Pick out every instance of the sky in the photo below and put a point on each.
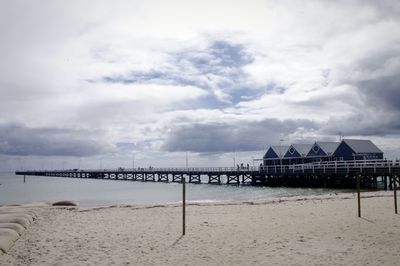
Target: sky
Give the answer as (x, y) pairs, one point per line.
(88, 84)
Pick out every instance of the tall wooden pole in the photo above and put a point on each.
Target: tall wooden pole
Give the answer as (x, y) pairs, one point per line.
(183, 205)
(395, 193)
(358, 195)
(385, 182)
(24, 178)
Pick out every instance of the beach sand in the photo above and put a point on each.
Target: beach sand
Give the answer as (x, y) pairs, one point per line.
(313, 231)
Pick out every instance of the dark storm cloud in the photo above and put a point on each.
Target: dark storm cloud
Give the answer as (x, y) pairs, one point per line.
(379, 114)
(378, 87)
(364, 125)
(226, 137)
(17, 139)
(218, 67)
(382, 93)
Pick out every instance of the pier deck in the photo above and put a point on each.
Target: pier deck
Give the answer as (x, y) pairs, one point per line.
(337, 174)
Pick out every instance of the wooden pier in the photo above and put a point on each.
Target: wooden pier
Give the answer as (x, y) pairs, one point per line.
(338, 174)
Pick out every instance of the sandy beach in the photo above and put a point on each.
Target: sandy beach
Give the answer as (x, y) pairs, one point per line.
(314, 231)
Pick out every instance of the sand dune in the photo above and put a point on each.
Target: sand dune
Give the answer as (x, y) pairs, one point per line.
(315, 231)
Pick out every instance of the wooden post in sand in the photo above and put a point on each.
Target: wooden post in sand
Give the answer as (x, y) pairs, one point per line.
(385, 182)
(24, 178)
(183, 205)
(395, 193)
(358, 195)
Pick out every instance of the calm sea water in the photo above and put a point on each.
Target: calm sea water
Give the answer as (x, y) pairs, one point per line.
(105, 192)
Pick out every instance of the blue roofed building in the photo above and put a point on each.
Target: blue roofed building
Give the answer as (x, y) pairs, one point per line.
(357, 149)
(322, 151)
(297, 153)
(274, 155)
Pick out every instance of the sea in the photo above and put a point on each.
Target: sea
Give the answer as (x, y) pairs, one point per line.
(98, 192)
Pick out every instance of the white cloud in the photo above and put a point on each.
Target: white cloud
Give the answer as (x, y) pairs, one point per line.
(314, 60)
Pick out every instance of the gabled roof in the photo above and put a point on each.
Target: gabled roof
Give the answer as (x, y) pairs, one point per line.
(316, 151)
(302, 149)
(362, 146)
(270, 154)
(328, 147)
(280, 150)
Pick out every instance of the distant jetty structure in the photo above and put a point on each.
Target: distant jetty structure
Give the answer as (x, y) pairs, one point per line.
(322, 164)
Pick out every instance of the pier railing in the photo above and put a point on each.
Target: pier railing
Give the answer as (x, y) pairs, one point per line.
(160, 169)
(358, 165)
(335, 166)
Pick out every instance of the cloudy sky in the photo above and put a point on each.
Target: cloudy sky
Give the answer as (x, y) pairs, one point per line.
(106, 83)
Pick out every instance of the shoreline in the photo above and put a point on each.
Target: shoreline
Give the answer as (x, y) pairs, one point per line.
(272, 200)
